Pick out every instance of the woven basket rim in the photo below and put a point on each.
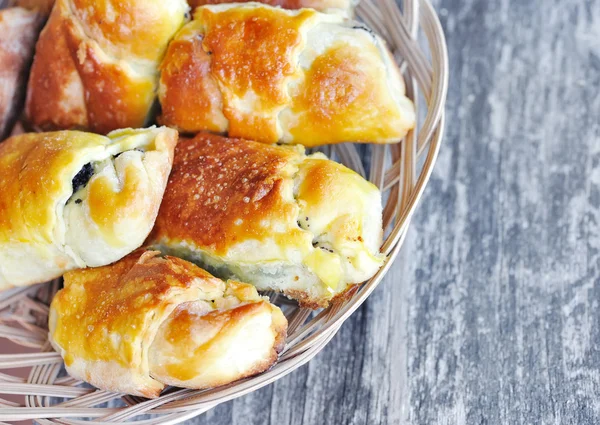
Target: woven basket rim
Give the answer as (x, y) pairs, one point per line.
(401, 171)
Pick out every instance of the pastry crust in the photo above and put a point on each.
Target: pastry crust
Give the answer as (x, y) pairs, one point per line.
(271, 216)
(275, 75)
(19, 28)
(73, 199)
(147, 321)
(96, 63)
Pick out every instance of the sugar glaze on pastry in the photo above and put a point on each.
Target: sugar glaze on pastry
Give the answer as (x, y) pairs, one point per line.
(271, 216)
(72, 199)
(147, 321)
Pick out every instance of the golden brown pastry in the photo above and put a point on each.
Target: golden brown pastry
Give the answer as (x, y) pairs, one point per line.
(146, 322)
(96, 63)
(342, 7)
(270, 216)
(275, 75)
(72, 199)
(19, 28)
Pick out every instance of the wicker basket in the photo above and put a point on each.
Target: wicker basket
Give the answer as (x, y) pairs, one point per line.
(400, 170)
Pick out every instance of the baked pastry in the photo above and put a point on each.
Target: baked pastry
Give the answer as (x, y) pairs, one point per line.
(72, 199)
(146, 322)
(274, 75)
(19, 28)
(96, 63)
(270, 216)
(342, 7)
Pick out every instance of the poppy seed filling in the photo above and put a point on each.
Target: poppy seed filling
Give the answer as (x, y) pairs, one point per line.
(82, 178)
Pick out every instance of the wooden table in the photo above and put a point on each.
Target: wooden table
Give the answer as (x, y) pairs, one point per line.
(491, 314)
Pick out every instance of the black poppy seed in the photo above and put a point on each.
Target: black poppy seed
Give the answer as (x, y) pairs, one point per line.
(82, 178)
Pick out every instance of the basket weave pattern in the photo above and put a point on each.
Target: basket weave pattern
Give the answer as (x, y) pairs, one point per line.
(400, 170)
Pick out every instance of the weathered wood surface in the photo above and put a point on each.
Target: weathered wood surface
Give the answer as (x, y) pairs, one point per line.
(491, 314)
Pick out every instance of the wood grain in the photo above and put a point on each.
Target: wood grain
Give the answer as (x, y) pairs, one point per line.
(491, 313)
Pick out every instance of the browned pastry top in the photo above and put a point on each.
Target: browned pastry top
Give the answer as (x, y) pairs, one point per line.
(137, 28)
(193, 100)
(238, 186)
(118, 298)
(254, 55)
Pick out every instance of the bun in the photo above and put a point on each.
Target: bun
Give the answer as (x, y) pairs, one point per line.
(146, 322)
(73, 199)
(96, 63)
(273, 75)
(271, 216)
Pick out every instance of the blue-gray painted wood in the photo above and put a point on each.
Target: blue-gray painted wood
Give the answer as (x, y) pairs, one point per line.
(491, 313)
